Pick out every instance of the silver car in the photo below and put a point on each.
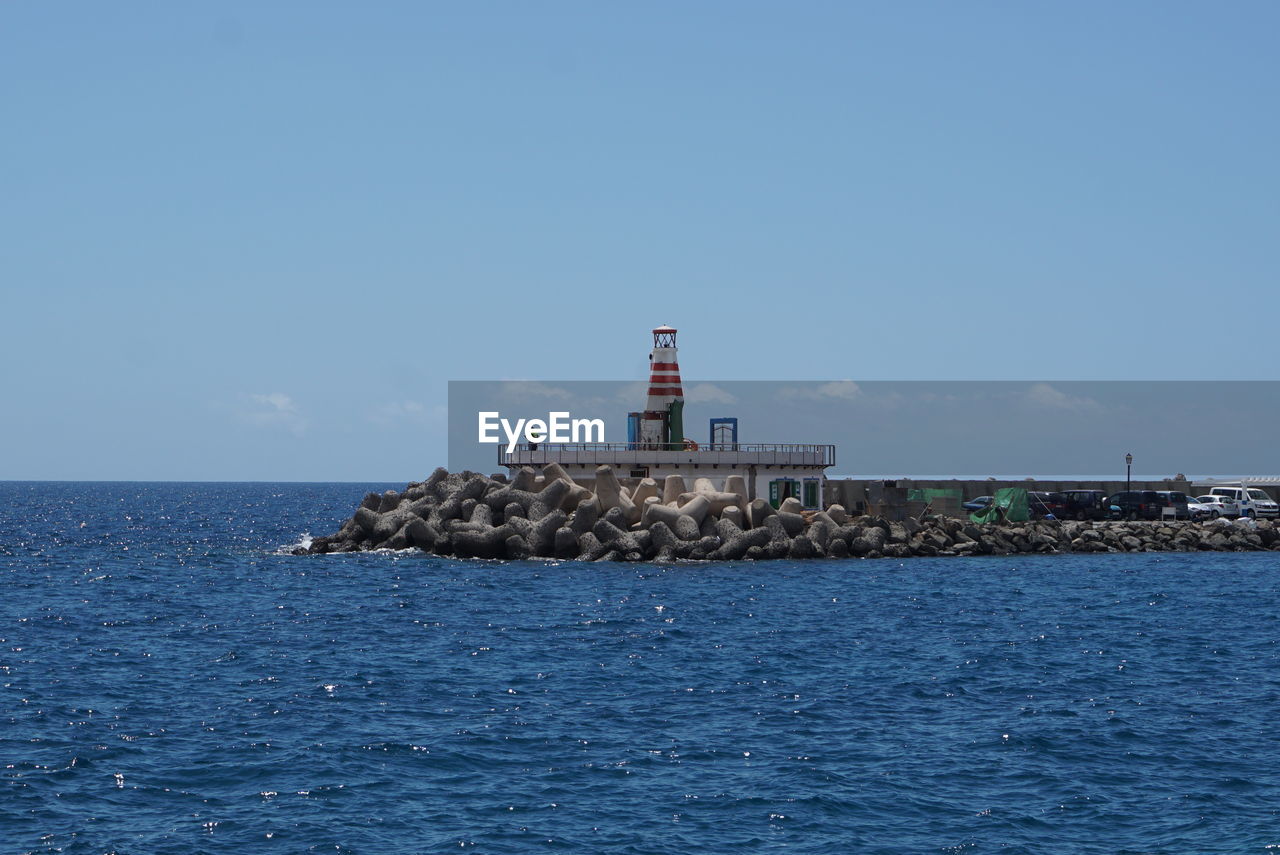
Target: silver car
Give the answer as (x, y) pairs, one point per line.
(1200, 511)
(1218, 506)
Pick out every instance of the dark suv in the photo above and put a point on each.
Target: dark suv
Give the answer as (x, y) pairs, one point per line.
(1177, 501)
(1084, 504)
(1135, 505)
(1040, 504)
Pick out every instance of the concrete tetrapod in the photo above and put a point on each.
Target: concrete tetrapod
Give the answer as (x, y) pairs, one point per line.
(577, 493)
(611, 494)
(672, 487)
(758, 511)
(738, 484)
(585, 516)
(646, 489)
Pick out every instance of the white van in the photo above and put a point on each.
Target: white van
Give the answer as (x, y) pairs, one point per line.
(1251, 501)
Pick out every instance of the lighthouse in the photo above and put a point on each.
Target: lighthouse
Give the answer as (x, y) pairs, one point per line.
(661, 425)
(658, 448)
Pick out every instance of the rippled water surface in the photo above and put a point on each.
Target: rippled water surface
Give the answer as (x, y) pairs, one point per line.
(170, 683)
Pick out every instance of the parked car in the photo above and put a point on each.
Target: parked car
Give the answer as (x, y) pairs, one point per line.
(1219, 506)
(981, 503)
(1135, 505)
(1200, 511)
(1084, 504)
(1252, 502)
(1041, 504)
(1177, 501)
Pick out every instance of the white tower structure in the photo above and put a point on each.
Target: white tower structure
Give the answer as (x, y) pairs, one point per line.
(661, 424)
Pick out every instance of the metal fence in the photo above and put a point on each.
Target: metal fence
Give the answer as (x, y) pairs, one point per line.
(595, 452)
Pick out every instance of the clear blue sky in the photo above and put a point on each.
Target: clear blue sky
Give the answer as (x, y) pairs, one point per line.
(255, 240)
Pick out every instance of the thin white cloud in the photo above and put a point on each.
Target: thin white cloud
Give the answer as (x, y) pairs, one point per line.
(407, 412)
(527, 390)
(274, 410)
(1047, 397)
(708, 393)
(633, 394)
(835, 390)
(636, 394)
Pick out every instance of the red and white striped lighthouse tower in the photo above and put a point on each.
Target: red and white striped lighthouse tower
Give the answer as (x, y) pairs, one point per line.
(666, 396)
(664, 371)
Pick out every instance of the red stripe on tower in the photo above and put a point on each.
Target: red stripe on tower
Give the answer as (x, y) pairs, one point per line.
(664, 370)
(665, 383)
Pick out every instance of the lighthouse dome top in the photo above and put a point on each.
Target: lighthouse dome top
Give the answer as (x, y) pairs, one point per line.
(663, 329)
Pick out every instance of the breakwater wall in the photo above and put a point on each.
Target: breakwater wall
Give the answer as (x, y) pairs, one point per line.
(548, 515)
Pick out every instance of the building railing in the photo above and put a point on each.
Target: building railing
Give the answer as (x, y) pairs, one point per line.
(586, 452)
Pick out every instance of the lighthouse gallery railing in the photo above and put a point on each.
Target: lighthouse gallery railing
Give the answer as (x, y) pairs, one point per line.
(807, 454)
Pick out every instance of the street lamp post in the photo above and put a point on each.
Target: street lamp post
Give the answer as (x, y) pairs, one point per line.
(1128, 472)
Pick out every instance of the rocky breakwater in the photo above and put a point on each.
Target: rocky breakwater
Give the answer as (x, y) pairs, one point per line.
(548, 515)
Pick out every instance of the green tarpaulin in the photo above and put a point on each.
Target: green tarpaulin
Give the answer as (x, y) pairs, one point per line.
(1010, 505)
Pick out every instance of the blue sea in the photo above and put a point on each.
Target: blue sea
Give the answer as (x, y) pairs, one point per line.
(172, 681)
